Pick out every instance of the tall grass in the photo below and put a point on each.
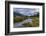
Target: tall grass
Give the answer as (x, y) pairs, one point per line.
(34, 23)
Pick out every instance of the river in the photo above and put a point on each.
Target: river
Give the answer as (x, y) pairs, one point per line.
(20, 24)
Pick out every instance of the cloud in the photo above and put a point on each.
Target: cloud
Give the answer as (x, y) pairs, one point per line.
(26, 11)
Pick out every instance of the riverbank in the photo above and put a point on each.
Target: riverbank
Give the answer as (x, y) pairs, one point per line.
(34, 22)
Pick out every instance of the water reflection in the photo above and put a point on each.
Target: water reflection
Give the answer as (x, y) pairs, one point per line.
(20, 24)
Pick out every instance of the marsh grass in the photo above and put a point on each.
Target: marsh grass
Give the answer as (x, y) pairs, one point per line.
(34, 23)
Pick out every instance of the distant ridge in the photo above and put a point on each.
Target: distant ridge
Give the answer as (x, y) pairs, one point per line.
(17, 14)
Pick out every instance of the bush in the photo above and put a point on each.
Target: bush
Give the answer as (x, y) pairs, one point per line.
(17, 19)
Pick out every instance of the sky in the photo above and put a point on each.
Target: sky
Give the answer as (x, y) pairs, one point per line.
(26, 11)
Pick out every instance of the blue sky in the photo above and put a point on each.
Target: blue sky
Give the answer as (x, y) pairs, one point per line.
(26, 11)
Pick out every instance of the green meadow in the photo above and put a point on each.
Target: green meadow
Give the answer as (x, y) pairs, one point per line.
(34, 23)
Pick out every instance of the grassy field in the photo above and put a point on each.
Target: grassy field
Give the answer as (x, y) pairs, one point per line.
(34, 23)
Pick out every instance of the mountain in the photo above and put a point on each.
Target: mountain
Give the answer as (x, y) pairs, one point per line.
(17, 14)
(30, 14)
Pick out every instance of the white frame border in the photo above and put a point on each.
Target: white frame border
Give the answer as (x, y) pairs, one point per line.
(25, 28)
